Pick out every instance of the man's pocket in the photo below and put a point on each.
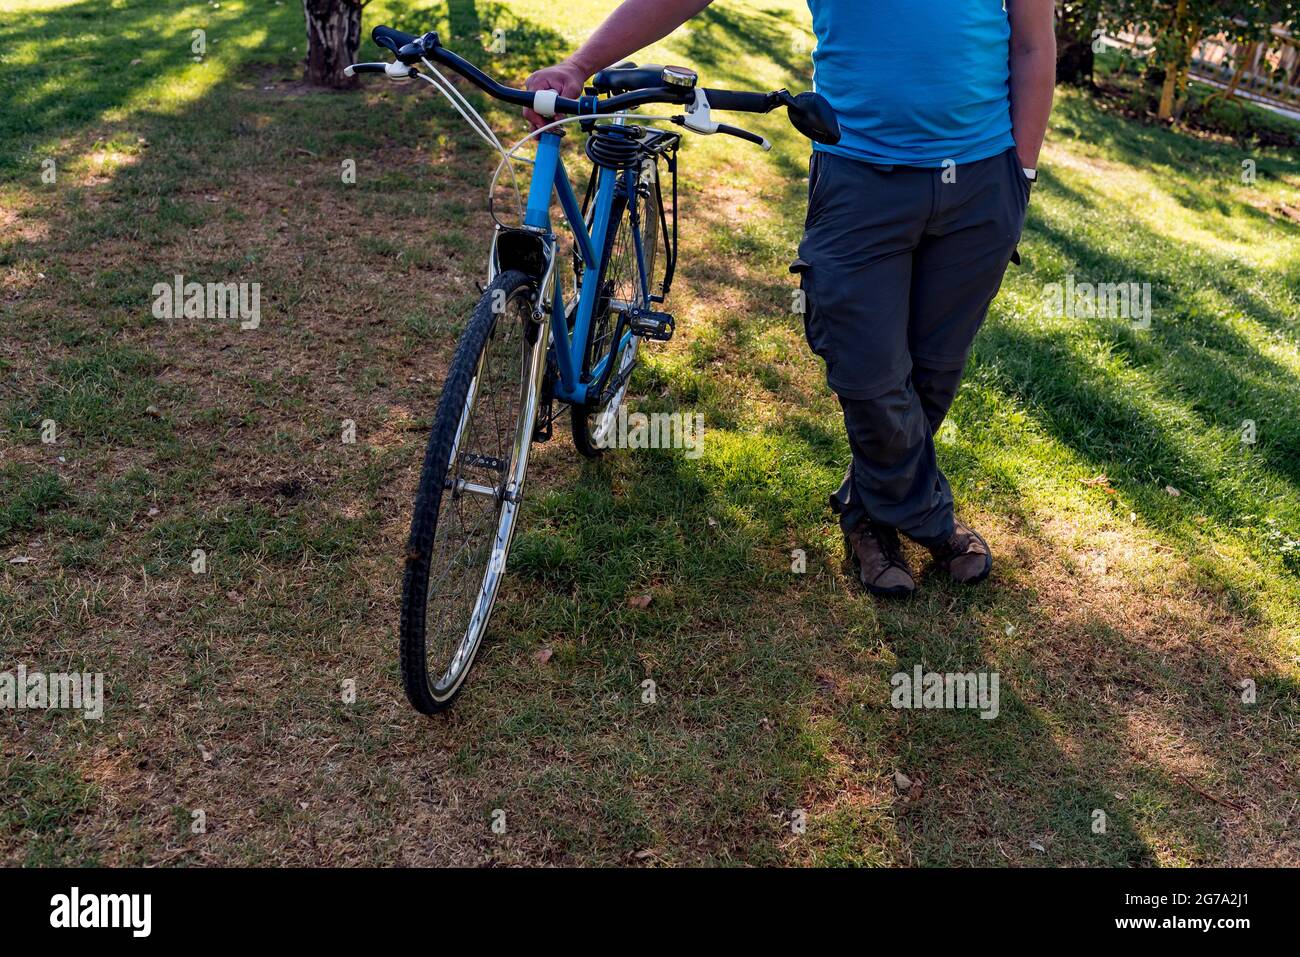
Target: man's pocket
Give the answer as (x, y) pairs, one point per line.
(808, 305)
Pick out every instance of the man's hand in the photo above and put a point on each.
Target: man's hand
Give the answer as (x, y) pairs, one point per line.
(564, 78)
(634, 25)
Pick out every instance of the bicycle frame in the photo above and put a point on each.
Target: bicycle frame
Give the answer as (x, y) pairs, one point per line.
(550, 177)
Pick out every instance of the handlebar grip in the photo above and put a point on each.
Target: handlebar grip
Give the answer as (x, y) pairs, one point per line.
(365, 68)
(740, 101)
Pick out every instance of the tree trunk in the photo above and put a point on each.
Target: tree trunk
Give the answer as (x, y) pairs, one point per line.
(1175, 60)
(333, 38)
(1166, 110)
(1246, 61)
(1260, 51)
(1075, 23)
(1192, 42)
(1242, 59)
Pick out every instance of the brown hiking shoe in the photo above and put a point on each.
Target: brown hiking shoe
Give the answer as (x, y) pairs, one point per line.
(965, 555)
(878, 559)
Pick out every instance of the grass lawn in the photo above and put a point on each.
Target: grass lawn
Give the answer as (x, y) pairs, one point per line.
(1122, 618)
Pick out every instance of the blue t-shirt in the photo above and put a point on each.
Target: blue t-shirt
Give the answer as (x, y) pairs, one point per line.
(915, 82)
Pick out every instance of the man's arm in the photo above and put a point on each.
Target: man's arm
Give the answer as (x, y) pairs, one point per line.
(1033, 74)
(635, 24)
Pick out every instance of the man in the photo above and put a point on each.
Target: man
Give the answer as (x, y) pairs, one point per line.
(912, 220)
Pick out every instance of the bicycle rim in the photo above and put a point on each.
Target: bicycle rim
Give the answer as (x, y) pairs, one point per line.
(479, 493)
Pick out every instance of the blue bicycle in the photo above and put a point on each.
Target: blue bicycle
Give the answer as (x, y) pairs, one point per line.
(551, 329)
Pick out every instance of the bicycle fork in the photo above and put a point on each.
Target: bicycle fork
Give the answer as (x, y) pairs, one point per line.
(510, 491)
(532, 400)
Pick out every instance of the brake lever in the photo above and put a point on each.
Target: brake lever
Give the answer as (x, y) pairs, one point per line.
(699, 118)
(745, 135)
(711, 128)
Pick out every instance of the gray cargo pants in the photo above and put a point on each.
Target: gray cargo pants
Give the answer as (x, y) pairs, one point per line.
(898, 266)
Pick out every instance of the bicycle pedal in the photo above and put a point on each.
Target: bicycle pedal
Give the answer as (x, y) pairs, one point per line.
(542, 431)
(651, 325)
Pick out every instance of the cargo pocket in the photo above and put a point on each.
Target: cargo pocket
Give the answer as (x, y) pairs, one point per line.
(806, 302)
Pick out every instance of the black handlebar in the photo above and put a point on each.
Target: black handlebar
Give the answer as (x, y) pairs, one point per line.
(809, 113)
(410, 49)
(740, 102)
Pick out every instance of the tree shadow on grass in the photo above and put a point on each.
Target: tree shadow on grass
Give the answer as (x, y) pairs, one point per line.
(1180, 394)
(776, 696)
(86, 61)
(720, 39)
(1086, 693)
(497, 39)
(233, 178)
(1150, 145)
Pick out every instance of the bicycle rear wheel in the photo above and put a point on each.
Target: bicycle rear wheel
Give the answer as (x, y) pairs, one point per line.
(470, 489)
(619, 282)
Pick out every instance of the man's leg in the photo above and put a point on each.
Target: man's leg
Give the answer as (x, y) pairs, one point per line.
(957, 270)
(936, 389)
(864, 224)
(893, 477)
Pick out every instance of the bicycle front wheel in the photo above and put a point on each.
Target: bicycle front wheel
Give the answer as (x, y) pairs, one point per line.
(471, 486)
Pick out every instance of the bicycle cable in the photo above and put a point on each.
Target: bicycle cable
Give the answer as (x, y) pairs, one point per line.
(477, 124)
(480, 126)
